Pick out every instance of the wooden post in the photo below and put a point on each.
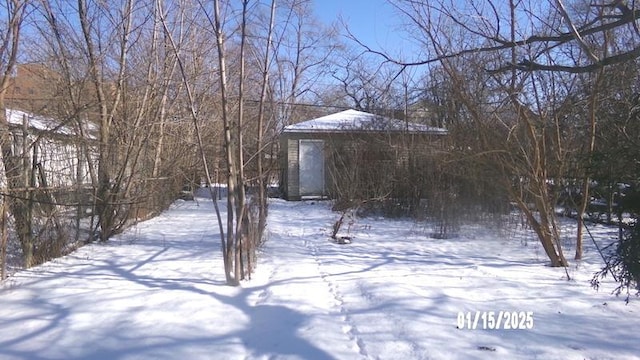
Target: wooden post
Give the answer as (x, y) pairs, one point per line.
(3, 239)
(79, 191)
(28, 246)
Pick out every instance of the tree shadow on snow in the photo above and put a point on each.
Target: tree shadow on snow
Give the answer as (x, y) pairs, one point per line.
(273, 331)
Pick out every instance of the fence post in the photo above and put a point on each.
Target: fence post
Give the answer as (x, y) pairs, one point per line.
(3, 239)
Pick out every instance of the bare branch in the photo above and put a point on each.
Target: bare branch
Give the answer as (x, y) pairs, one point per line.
(527, 65)
(605, 23)
(575, 32)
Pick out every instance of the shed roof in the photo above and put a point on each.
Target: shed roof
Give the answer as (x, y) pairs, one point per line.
(42, 123)
(358, 121)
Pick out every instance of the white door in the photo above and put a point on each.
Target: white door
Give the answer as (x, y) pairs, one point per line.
(311, 162)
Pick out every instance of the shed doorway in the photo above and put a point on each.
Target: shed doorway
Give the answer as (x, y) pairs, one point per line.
(311, 157)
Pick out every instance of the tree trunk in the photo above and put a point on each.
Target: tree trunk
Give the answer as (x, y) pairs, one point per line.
(225, 244)
(241, 201)
(593, 101)
(10, 170)
(580, 216)
(4, 235)
(232, 172)
(544, 235)
(104, 174)
(262, 181)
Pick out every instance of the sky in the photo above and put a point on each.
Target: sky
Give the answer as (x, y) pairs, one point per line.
(374, 22)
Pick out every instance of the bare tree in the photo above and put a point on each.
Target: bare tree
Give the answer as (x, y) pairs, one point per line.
(263, 179)
(559, 44)
(599, 17)
(230, 152)
(302, 49)
(365, 84)
(10, 171)
(134, 80)
(179, 49)
(127, 100)
(107, 107)
(515, 111)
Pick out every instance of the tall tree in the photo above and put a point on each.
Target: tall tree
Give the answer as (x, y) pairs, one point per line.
(115, 76)
(14, 11)
(514, 62)
(260, 143)
(302, 50)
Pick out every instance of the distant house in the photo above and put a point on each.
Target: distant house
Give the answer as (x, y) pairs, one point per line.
(58, 154)
(33, 87)
(353, 154)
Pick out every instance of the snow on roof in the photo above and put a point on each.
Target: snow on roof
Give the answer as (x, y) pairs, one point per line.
(15, 117)
(353, 120)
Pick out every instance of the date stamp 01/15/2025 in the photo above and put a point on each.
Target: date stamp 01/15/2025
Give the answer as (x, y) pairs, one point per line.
(495, 320)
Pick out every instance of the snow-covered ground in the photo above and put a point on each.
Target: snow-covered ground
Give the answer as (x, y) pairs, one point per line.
(157, 292)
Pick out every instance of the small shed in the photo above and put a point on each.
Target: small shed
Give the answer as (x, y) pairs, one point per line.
(62, 154)
(351, 150)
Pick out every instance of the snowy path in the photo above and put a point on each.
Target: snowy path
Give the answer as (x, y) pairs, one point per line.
(298, 284)
(399, 293)
(157, 292)
(154, 292)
